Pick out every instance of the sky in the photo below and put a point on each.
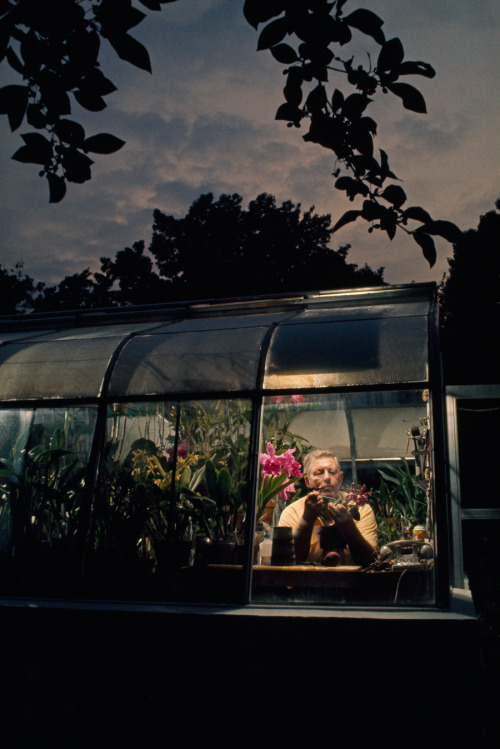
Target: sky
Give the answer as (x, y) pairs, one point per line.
(204, 122)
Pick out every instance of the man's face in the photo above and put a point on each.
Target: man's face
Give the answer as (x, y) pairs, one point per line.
(325, 476)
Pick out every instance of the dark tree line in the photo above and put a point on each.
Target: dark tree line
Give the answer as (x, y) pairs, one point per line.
(54, 46)
(219, 249)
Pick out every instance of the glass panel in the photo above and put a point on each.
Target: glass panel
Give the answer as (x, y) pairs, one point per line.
(479, 447)
(170, 515)
(43, 465)
(366, 533)
(202, 361)
(55, 369)
(307, 353)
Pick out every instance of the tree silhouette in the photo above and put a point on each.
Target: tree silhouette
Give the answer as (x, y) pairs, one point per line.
(470, 303)
(16, 290)
(221, 250)
(470, 295)
(217, 250)
(54, 46)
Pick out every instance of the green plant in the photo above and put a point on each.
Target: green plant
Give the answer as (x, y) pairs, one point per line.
(41, 487)
(399, 503)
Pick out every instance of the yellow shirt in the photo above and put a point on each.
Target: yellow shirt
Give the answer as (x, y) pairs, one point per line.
(367, 526)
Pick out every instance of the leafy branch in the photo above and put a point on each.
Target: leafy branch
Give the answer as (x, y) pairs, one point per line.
(54, 46)
(338, 122)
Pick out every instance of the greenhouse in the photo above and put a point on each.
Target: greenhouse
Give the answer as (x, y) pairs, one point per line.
(147, 453)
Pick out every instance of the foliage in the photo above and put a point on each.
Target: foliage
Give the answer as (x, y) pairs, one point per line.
(399, 503)
(189, 482)
(267, 248)
(54, 46)
(340, 122)
(16, 290)
(470, 295)
(41, 488)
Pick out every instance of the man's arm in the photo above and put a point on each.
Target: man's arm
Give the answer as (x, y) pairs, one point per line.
(313, 507)
(361, 549)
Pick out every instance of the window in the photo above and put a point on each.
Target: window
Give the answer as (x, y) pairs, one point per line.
(171, 502)
(44, 454)
(380, 441)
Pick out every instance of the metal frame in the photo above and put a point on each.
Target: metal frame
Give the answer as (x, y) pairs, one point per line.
(454, 393)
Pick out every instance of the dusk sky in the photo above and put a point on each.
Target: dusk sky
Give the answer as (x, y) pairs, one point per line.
(204, 122)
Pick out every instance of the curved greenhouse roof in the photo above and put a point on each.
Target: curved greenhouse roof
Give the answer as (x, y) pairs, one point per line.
(361, 337)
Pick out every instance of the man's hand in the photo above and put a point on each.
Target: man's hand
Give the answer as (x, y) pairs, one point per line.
(314, 506)
(341, 516)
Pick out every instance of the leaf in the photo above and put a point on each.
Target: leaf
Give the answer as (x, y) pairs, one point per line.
(288, 112)
(70, 132)
(416, 68)
(412, 98)
(391, 55)
(347, 218)
(445, 229)
(102, 143)
(223, 495)
(293, 93)
(394, 194)
(130, 50)
(417, 214)
(427, 244)
(367, 22)
(13, 103)
(317, 100)
(38, 150)
(260, 11)
(89, 100)
(337, 100)
(284, 53)
(272, 34)
(76, 166)
(354, 106)
(14, 61)
(57, 187)
(211, 479)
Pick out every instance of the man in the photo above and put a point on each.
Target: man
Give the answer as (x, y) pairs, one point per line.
(323, 476)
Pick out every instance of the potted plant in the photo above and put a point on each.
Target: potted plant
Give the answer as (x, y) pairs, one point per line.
(399, 503)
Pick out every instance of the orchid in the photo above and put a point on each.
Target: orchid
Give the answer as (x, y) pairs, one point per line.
(277, 474)
(358, 495)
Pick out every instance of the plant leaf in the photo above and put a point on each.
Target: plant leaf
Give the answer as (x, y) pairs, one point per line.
(412, 98)
(57, 187)
(417, 214)
(367, 22)
(391, 55)
(284, 53)
(416, 68)
(272, 34)
(102, 143)
(13, 103)
(260, 11)
(347, 218)
(445, 229)
(130, 50)
(394, 194)
(427, 244)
